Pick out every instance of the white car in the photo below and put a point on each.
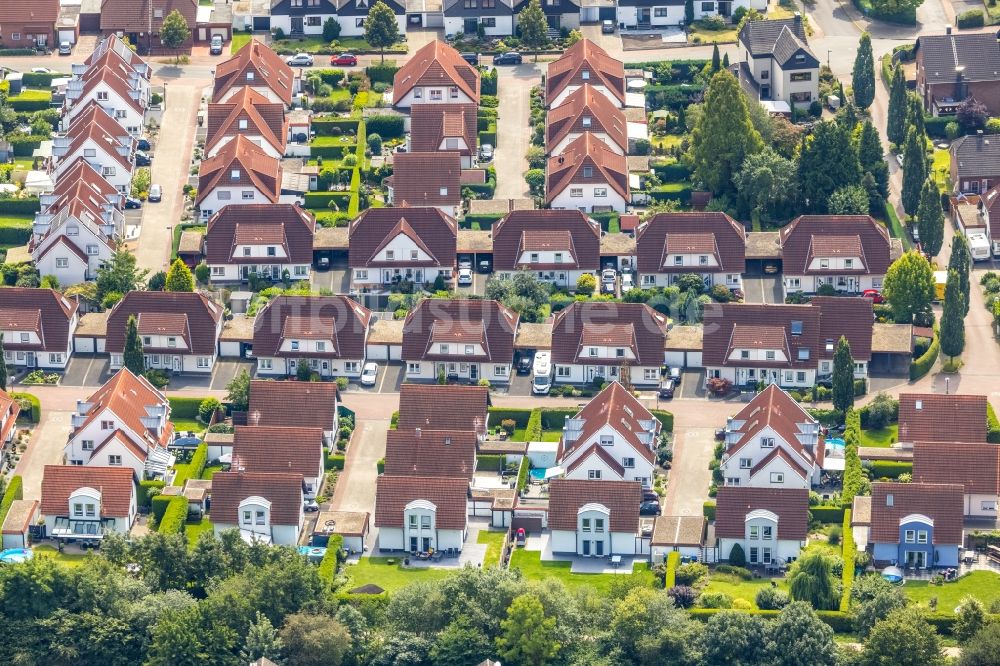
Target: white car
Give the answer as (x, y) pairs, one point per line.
(464, 277)
(300, 60)
(368, 374)
(899, 160)
(627, 282)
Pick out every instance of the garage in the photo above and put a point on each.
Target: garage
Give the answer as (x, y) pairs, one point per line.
(262, 23)
(763, 253)
(683, 346)
(892, 349)
(88, 338)
(385, 340)
(67, 35)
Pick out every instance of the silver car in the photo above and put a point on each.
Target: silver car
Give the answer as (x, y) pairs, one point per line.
(300, 60)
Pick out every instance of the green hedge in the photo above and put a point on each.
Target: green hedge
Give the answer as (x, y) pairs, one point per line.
(323, 199)
(334, 462)
(30, 102)
(533, 431)
(23, 145)
(394, 420)
(484, 220)
(672, 97)
(28, 206)
(174, 516)
(380, 466)
(489, 136)
(827, 417)
(672, 171)
(890, 469)
(332, 559)
(853, 475)
(923, 365)
(522, 474)
(14, 491)
(935, 126)
(520, 416)
(39, 79)
(849, 551)
(35, 415)
(827, 514)
(381, 73)
(16, 52)
(673, 560)
(159, 506)
(199, 460)
(992, 425)
(184, 408)
(708, 510)
(331, 77)
(387, 127)
(665, 418)
(905, 16)
(145, 486)
(489, 463)
(971, 19)
(488, 82)
(555, 419)
(679, 192)
(324, 126)
(330, 153)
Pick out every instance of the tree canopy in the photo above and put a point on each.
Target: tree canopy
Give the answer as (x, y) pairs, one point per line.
(534, 27)
(827, 162)
(895, 128)
(179, 277)
(843, 376)
(132, 356)
(930, 218)
(175, 30)
(908, 287)
(952, 332)
(381, 29)
(915, 170)
(863, 74)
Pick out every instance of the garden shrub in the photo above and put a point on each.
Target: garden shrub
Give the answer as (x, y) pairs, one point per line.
(771, 598)
(388, 127)
(691, 573)
(334, 462)
(489, 463)
(891, 469)
(665, 418)
(971, 19)
(174, 515)
(737, 557)
(31, 406)
(708, 510)
(381, 73)
(207, 409)
(145, 494)
(520, 416)
(715, 600)
(992, 425)
(14, 491)
(332, 559)
(683, 596)
(734, 570)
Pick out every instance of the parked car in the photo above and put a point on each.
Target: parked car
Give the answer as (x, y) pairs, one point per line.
(155, 193)
(143, 144)
(873, 294)
(368, 374)
(915, 233)
(42, 70)
(323, 263)
(524, 363)
(300, 60)
(310, 506)
(509, 58)
(899, 160)
(65, 48)
(667, 388)
(674, 373)
(215, 48)
(132, 203)
(486, 152)
(471, 58)
(142, 159)
(344, 60)
(628, 282)
(464, 277)
(607, 26)
(649, 508)
(649, 495)
(608, 278)
(484, 266)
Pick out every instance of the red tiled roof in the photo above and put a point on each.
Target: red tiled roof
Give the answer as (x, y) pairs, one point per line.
(609, 168)
(283, 491)
(520, 229)
(603, 117)
(773, 408)
(436, 64)
(723, 321)
(159, 307)
(936, 417)
(974, 465)
(264, 224)
(809, 236)
(38, 12)
(129, 398)
(498, 323)
(262, 117)
(430, 453)
(9, 409)
(621, 498)
(448, 495)
(418, 179)
(115, 79)
(61, 481)
(81, 182)
(56, 314)
(256, 168)
(267, 68)
(431, 124)
(654, 236)
(96, 126)
(614, 406)
(585, 56)
(431, 230)
(350, 322)
(850, 317)
(136, 15)
(589, 319)
(443, 407)
(941, 502)
(600, 452)
(305, 404)
(791, 505)
(278, 449)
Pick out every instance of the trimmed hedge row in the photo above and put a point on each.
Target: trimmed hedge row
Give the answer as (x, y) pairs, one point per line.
(827, 514)
(971, 19)
(533, 431)
(992, 425)
(923, 365)
(199, 460)
(159, 506)
(14, 491)
(519, 415)
(334, 462)
(35, 414)
(23, 145)
(488, 82)
(936, 126)
(555, 419)
(839, 621)
(489, 463)
(708, 510)
(678, 192)
(39, 79)
(665, 418)
(332, 559)
(484, 220)
(381, 73)
(174, 516)
(324, 126)
(387, 127)
(28, 206)
(673, 560)
(185, 408)
(330, 153)
(890, 469)
(522, 474)
(143, 496)
(323, 199)
(847, 574)
(29, 103)
(853, 476)
(672, 171)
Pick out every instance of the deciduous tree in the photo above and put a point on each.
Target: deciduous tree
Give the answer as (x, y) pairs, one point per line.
(904, 638)
(586, 284)
(953, 317)
(914, 170)
(983, 649)
(238, 391)
(132, 356)
(119, 274)
(527, 636)
(381, 29)
(827, 162)
(930, 218)
(175, 30)
(736, 639)
(799, 638)
(863, 74)
(972, 114)
(849, 200)
(314, 640)
(843, 376)
(812, 581)
(534, 27)
(766, 184)
(895, 127)
(909, 286)
(724, 135)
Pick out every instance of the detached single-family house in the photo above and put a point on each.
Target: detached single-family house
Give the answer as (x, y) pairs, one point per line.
(85, 503)
(179, 330)
(683, 534)
(241, 173)
(306, 17)
(975, 163)
(449, 128)
(141, 20)
(421, 514)
(327, 332)
(426, 179)
(973, 465)
(589, 176)
(779, 66)
(586, 109)
(251, 114)
(294, 450)
(431, 453)
(387, 246)
(37, 327)
(268, 240)
(657, 14)
(770, 525)
(937, 417)
(294, 404)
(125, 423)
(436, 74)
(557, 246)
(461, 339)
(582, 63)
(102, 142)
(25, 25)
(122, 92)
(613, 438)
(442, 407)
(712, 245)
(954, 67)
(264, 506)
(850, 252)
(255, 66)
(595, 518)
(773, 443)
(605, 339)
(916, 525)
(497, 17)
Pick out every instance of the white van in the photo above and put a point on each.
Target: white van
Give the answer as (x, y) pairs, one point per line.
(979, 246)
(541, 382)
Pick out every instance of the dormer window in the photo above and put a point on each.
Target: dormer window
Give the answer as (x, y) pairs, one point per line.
(703, 260)
(800, 58)
(320, 345)
(824, 263)
(468, 350)
(234, 174)
(593, 351)
(803, 353)
(586, 121)
(848, 263)
(888, 500)
(619, 353)
(534, 257)
(443, 349)
(769, 355)
(146, 340)
(744, 353)
(295, 345)
(246, 251)
(559, 257)
(171, 342)
(829, 345)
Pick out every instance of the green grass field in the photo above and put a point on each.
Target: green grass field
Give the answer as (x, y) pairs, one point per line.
(983, 585)
(941, 168)
(494, 543)
(210, 471)
(69, 559)
(193, 529)
(666, 141)
(390, 577)
(532, 567)
(240, 40)
(31, 95)
(187, 424)
(711, 36)
(17, 221)
(737, 588)
(882, 437)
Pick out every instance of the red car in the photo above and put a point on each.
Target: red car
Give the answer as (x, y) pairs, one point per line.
(874, 295)
(344, 60)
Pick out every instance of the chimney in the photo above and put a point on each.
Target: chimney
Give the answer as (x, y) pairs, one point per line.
(798, 17)
(947, 30)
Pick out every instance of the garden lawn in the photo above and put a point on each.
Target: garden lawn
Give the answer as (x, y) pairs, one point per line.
(349, 142)
(183, 473)
(210, 471)
(896, 228)
(194, 528)
(240, 39)
(187, 424)
(983, 585)
(666, 141)
(881, 438)
(941, 168)
(16, 221)
(737, 588)
(532, 567)
(31, 95)
(390, 577)
(494, 544)
(337, 95)
(711, 36)
(69, 559)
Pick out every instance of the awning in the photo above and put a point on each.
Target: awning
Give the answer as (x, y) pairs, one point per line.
(552, 472)
(255, 537)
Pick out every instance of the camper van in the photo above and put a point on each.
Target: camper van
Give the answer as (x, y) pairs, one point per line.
(979, 246)
(541, 382)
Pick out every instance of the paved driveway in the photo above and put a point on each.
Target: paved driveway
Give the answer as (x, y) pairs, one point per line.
(763, 290)
(337, 280)
(690, 476)
(226, 369)
(45, 448)
(514, 88)
(390, 376)
(86, 370)
(356, 486)
(519, 385)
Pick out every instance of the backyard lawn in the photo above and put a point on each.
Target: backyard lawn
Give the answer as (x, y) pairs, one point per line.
(711, 36)
(240, 40)
(390, 577)
(494, 541)
(942, 169)
(983, 585)
(187, 424)
(69, 559)
(521, 434)
(315, 44)
(210, 471)
(666, 141)
(182, 473)
(16, 221)
(737, 588)
(531, 565)
(193, 529)
(882, 437)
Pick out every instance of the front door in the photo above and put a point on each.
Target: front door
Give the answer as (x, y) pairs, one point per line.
(599, 548)
(296, 24)
(473, 372)
(427, 544)
(413, 544)
(471, 26)
(29, 359)
(644, 15)
(586, 547)
(177, 363)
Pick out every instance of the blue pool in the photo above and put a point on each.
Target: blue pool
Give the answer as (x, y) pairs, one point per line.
(538, 473)
(314, 553)
(15, 555)
(893, 574)
(835, 443)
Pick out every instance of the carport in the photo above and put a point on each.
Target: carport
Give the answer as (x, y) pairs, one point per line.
(331, 243)
(475, 245)
(763, 249)
(91, 333)
(385, 340)
(618, 250)
(892, 349)
(236, 339)
(682, 347)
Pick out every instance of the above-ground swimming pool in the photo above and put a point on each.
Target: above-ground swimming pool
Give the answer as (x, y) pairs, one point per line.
(538, 473)
(893, 574)
(835, 443)
(15, 555)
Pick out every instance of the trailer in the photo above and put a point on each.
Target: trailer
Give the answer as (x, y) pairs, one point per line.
(979, 246)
